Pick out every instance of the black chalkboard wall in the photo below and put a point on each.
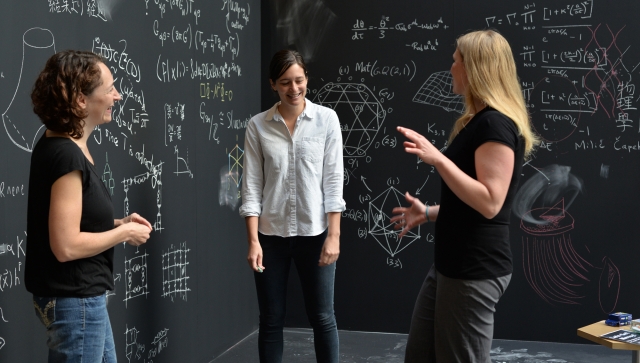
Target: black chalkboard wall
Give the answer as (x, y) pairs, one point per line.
(381, 64)
(189, 77)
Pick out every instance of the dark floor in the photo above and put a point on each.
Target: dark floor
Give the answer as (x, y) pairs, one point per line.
(356, 347)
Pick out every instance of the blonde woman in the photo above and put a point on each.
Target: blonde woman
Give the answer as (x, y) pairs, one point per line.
(453, 315)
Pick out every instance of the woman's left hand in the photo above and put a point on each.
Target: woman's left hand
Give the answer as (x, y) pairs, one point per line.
(420, 146)
(405, 218)
(330, 251)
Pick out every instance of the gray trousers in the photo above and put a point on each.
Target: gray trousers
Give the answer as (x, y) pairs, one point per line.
(453, 319)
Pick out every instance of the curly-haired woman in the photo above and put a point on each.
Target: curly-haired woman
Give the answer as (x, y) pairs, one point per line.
(71, 230)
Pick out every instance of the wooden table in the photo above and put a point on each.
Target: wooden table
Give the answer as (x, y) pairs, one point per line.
(594, 331)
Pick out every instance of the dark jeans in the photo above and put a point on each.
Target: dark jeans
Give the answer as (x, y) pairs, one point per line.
(317, 288)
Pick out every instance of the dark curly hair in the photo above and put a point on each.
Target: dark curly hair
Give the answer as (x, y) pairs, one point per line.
(66, 75)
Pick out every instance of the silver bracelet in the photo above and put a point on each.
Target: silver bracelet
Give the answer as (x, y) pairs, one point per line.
(427, 213)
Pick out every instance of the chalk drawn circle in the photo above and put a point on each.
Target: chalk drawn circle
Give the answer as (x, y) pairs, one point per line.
(38, 38)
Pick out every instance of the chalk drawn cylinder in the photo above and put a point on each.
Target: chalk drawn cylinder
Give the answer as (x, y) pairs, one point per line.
(21, 125)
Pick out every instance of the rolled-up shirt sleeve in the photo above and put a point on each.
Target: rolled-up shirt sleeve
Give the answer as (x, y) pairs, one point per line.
(333, 169)
(253, 174)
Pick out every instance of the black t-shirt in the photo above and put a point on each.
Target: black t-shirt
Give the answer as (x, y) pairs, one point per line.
(468, 245)
(45, 276)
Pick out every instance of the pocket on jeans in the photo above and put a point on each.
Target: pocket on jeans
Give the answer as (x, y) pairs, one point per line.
(45, 309)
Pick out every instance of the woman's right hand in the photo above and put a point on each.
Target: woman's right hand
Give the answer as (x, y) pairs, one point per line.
(254, 257)
(138, 233)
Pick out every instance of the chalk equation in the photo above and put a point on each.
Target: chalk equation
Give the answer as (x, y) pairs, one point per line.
(583, 68)
(385, 25)
(184, 8)
(374, 69)
(173, 131)
(170, 71)
(237, 16)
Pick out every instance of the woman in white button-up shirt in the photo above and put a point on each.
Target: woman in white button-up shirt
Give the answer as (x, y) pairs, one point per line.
(292, 201)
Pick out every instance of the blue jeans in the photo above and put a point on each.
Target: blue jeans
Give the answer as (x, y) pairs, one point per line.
(78, 329)
(317, 288)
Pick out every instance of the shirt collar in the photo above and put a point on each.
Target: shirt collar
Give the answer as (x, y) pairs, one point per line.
(274, 115)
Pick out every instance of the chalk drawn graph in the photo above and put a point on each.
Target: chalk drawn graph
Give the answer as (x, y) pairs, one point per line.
(182, 163)
(437, 91)
(359, 108)
(38, 45)
(552, 264)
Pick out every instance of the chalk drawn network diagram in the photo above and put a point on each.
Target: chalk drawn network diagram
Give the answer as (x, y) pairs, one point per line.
(136, 277)
(380, 226)
(174, 272)
(360, 111)
(138, 351)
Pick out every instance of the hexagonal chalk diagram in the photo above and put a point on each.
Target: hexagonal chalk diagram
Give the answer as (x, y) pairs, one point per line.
(380, 226)
(360, 112)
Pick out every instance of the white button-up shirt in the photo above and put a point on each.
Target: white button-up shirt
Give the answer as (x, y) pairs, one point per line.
(292, 181)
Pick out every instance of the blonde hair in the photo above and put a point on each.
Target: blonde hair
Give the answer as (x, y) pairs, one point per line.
(491, 71)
